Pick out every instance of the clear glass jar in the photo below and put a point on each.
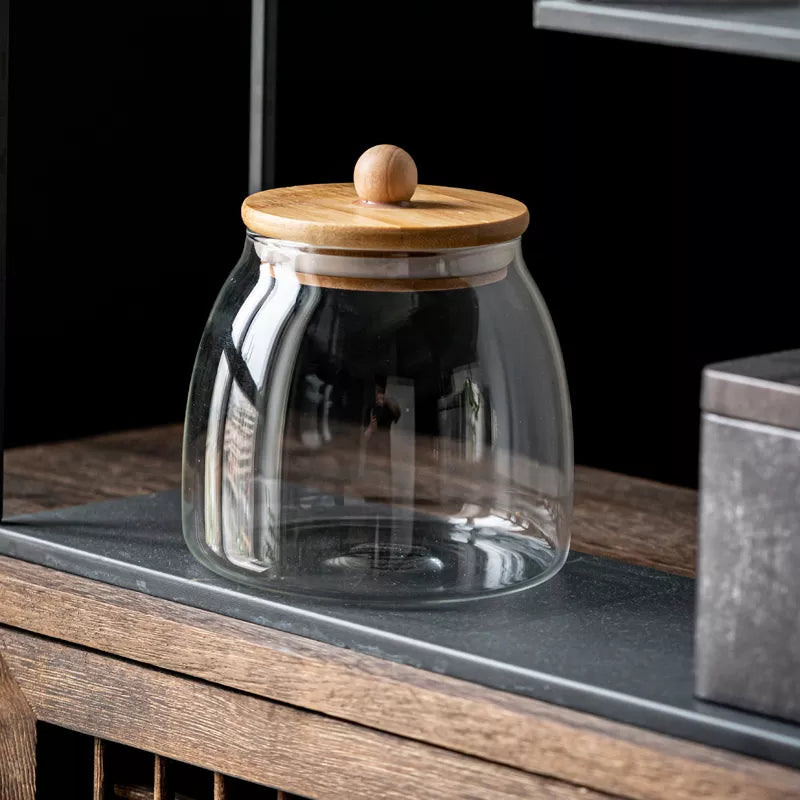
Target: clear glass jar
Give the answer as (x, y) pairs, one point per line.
(384, 426)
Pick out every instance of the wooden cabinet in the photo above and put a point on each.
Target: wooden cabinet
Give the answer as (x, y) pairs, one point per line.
(217, 707)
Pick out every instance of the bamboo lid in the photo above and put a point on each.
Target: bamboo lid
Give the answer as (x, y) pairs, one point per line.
(384, 209)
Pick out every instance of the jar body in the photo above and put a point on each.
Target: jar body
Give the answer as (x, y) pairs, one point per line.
(380, 426)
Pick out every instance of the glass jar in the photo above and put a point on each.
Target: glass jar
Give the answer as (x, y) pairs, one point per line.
(386, 426)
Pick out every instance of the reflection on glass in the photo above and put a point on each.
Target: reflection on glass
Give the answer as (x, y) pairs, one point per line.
(399, 446)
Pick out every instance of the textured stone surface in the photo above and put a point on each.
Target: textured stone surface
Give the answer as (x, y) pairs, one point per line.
(747, 646)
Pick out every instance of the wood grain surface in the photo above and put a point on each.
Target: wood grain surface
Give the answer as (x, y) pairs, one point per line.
(160, 778)
(516, 731)
(249, 737)
(99, 771)
(88, 470)
(626, 518)
(17, 739)
(635, 520)
(127, 792)
(331, 215)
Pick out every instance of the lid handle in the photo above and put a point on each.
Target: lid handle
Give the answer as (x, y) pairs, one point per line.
(385, 174)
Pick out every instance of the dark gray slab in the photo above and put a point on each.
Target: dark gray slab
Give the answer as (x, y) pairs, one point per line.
(763, 29)
(602, 637)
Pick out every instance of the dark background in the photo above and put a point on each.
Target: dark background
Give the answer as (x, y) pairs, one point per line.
(662, 184)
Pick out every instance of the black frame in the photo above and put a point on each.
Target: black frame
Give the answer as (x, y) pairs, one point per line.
(3, 201)
(263, 94)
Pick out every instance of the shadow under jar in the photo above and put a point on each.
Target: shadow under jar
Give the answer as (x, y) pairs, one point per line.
(378, 412)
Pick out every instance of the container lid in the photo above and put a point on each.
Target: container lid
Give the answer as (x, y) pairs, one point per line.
(762, 389)
(384, 209)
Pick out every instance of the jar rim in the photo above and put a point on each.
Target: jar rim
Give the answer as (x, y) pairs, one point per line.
(392, 271)
(386, 253)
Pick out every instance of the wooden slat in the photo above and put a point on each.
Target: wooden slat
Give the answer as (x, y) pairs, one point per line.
(614, 515)
(219, 787)
(634, 520)
(513, 730)
(99, 780)
(126, 792)
(159, 778)
(249, 737)
(17, 740)
(39, 477)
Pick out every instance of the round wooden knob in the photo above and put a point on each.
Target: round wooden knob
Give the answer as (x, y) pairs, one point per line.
(385, 174)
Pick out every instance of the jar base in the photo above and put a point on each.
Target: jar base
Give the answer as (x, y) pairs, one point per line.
(416, 560)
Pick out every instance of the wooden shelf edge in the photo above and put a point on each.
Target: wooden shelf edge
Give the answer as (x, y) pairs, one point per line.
(506, 729)
(249, 737)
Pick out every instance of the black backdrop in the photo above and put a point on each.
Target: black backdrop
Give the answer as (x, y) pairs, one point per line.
(662, 184)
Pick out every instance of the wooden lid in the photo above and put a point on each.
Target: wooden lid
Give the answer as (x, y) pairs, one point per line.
(384, 209)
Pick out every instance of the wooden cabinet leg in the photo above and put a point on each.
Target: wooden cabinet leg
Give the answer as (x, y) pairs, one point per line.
(17, 740)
